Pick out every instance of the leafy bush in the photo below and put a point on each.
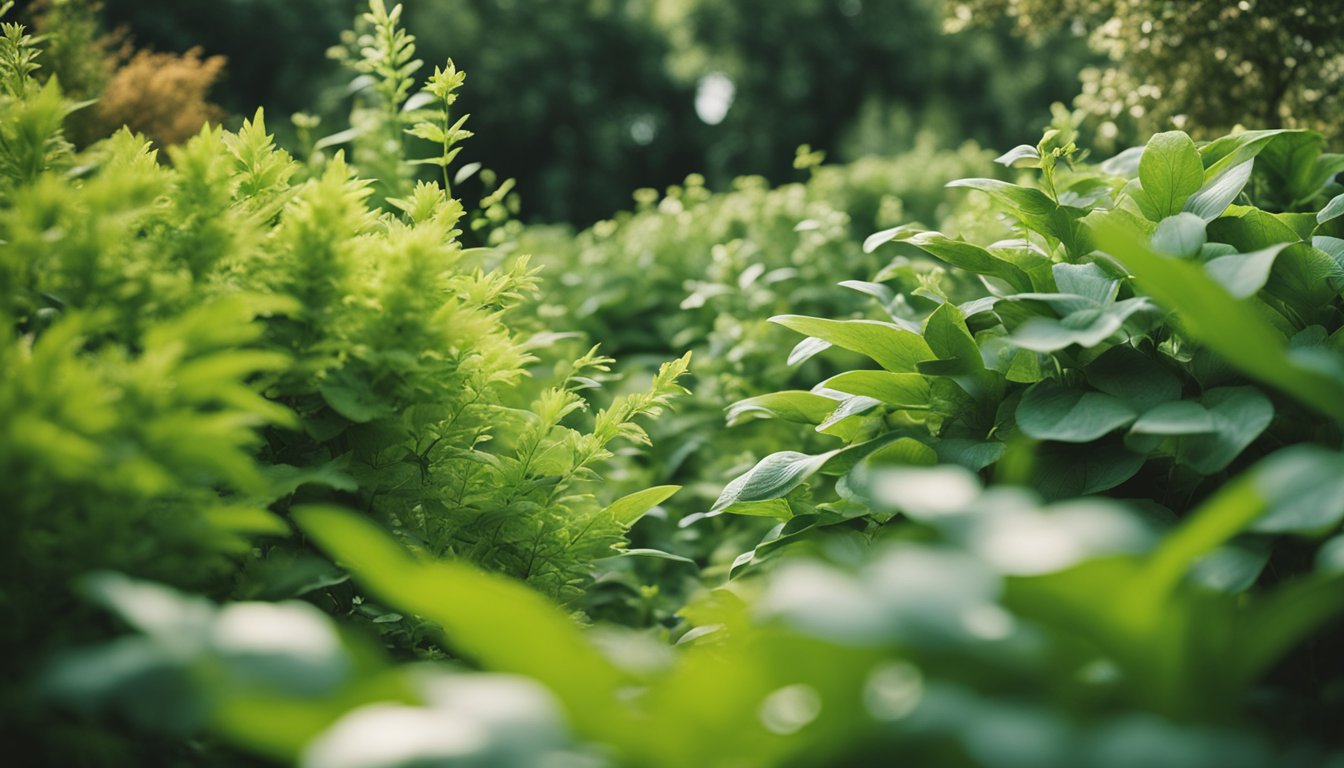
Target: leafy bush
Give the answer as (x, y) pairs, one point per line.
(190, 347)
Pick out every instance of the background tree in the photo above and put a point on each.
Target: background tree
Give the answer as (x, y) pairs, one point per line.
(1200, 65)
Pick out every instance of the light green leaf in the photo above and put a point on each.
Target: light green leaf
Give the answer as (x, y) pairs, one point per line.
(1220, 321)
(1220, 191)
(1332, 210)
(771, 478)
(789, 405)
(659, 554)
(1244, 274)
(957, 253)
(627, 510)
(1303, 488)
(500, 623)
(1170, 171)
(891, 346)
(948, 337)
(903, 390)
(1180, 235)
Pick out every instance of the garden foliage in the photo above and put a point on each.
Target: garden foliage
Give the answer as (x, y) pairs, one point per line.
(295, 477)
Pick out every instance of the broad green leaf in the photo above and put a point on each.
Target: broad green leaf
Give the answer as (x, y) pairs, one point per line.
(1220, 191)
(1087, 280)
(1180, 235)
(352, 398)
(627, 510)
(1251, 229)
(1179, 417)
(841, 424)
(948, 338)
(1137, 379)
(1240, 414)
(1304, 489)
(1330, 246)
(1070, 470)
(903, 451)
(1223, 153)
(1036, 210)
(1304, 277)
(974, 455)
(1244, 274)
(902, 390)
(958, 253)
(771, 478)
(1233, 567)
(1332, 210)
(790, 405)
(891, 346)
(1220, 321)
(1051, 411)
(1171, 171)
(1085, 327)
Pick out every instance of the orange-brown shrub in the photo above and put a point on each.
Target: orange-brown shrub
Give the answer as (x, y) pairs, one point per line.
(162, 95)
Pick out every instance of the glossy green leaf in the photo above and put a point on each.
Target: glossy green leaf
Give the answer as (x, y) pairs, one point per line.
(773, 477)
(1219, 192)
(902, 390)
(957, 253)
(791, 405)
(892, 347)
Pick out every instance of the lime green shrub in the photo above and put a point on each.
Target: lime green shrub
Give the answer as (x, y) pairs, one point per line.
(191, 346)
